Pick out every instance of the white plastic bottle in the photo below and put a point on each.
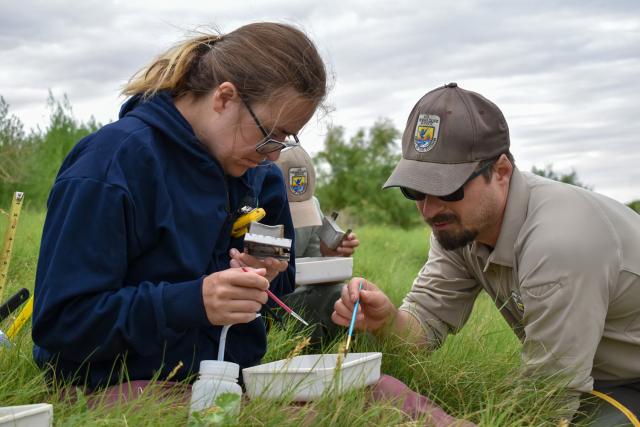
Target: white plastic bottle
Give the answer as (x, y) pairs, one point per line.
(216, 377)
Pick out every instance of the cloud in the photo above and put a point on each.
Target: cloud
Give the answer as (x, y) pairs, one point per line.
(565, 75)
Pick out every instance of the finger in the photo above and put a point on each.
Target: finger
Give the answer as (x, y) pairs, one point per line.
(350, 243)
(222, 288)
(275, 264)
(247, 278)
(339, 320)
(243, 306)
(343, 250)
(342, 316)
(343, 310)
(372, 299)
(251, 260)
(269, 263)
(354, 286)
(345, 297)
(234, 263)
(241, 293)
(234, 253)
(281, 265)
(259, 271)
(341, 313)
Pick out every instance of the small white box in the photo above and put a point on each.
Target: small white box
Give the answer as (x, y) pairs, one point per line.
(36, 415)
(315, 270)
(305, 378)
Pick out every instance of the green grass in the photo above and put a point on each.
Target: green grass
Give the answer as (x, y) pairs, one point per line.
(474, 375)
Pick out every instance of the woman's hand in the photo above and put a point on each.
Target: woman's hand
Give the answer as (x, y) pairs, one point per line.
(272, 266)
(374, 311)
(234, 296)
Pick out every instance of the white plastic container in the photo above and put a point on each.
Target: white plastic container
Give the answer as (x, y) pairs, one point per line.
(36, 415)
(216, 377)
(305, 378)
(316, 270)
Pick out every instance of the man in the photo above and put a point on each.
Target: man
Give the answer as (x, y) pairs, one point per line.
(315, 301)
(300, 176)
(561, 263)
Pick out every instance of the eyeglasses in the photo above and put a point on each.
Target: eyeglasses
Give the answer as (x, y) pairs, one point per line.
(268, 144)
(453, 197)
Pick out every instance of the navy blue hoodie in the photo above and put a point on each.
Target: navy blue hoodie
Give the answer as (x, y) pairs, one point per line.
(138, 215)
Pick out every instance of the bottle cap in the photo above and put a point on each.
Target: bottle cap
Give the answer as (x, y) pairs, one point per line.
(219, 368)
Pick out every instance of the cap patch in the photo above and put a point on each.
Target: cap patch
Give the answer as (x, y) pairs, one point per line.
(426, 134)
(298, 180)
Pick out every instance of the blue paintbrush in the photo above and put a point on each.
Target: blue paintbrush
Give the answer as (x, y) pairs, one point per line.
(353, 318)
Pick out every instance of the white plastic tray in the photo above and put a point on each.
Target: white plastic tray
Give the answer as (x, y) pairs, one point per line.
(305, 378)
(316, 270)
(36, 415)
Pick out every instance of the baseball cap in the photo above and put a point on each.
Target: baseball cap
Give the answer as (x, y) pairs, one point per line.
(300, 179)
(449, 131)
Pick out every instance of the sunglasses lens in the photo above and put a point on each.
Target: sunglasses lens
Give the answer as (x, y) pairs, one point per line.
(455, 196)
(416, 195)
(412, 194)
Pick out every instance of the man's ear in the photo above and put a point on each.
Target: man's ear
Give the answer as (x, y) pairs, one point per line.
(503, 169)
(223, 94)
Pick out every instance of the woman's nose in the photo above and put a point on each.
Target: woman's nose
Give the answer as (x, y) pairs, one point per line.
(273, 156)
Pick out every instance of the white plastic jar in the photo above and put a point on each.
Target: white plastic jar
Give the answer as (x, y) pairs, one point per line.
(216, 377)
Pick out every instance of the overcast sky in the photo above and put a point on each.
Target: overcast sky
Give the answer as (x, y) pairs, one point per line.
(566, 74)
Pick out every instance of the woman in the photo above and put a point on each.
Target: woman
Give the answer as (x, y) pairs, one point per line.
(135, 272)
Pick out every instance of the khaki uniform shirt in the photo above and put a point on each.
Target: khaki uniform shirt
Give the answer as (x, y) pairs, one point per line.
(307, 241)
(565, 274)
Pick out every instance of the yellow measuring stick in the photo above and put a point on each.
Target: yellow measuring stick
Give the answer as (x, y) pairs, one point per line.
(9, 237)
(22, 318)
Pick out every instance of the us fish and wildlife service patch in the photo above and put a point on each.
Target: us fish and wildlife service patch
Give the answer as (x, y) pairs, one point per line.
(298, 180)
(517, 300)
(426, 135)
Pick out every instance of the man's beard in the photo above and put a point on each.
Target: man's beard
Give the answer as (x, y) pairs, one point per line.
(452, 239)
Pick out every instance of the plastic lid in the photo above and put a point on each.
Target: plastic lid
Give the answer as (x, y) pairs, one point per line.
(219, 368)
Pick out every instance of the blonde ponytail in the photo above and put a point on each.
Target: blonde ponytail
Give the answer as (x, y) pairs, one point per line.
(168, 71)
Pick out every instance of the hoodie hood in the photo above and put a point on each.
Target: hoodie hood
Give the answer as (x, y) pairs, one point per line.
(160, 113)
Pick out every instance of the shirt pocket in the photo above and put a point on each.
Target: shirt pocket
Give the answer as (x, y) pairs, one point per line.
(542, 290)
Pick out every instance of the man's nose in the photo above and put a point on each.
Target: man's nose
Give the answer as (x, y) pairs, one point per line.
(430, 206)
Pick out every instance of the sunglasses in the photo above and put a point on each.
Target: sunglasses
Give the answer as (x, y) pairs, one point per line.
(453, 197)
(268, 144)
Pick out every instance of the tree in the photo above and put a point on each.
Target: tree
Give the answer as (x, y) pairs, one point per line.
(569, 178)
(51, 147)
(635, 205)
(29, 163)
(12, 145)
(351, 174)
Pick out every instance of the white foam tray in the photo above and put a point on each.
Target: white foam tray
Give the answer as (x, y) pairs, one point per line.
(316, 270)
(306, 378)
(36, 415)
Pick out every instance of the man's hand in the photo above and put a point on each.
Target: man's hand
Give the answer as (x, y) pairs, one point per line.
(234, 296)
(347, 247)
(272, 266)
(374, 311)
